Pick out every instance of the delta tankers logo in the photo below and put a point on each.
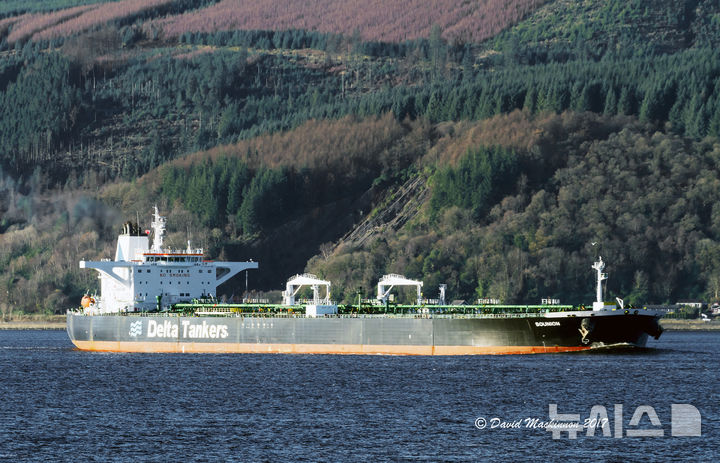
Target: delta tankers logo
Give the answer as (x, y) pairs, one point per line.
(168, 329)
(136, 328)
(186, 329)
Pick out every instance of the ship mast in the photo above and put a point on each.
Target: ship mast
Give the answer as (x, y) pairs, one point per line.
(599, 266)
(158, 227)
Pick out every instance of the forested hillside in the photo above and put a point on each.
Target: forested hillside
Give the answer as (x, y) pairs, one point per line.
(524, 230)
(482, 144)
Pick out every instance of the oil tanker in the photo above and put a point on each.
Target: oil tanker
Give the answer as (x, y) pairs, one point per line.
(155, 299)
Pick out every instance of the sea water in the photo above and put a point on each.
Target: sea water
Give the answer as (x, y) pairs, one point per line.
(61, 404)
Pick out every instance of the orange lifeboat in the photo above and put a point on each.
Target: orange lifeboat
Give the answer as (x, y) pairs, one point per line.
(87, 301)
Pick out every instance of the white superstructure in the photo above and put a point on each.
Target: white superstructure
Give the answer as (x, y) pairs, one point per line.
(306, 279)
(145, 278)
(391, 280)
(599, 304)
(318, 306)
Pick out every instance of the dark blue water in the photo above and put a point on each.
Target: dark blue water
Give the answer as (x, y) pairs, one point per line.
(61, 404)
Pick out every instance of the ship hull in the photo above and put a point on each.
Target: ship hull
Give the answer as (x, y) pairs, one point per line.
(557, 332)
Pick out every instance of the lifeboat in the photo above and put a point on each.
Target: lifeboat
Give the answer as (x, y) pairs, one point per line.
(87, 301)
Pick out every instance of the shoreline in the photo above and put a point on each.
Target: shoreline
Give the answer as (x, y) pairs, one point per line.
(32, 325)
(34, 322)
(689, 325)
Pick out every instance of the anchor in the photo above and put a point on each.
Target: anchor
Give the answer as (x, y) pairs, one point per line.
(586, 327)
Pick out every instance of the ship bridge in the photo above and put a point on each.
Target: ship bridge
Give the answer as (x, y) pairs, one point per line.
(146, 278)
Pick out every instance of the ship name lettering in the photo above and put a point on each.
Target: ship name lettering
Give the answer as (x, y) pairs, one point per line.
(547, 323)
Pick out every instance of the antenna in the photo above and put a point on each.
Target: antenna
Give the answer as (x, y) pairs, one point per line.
(187, 236)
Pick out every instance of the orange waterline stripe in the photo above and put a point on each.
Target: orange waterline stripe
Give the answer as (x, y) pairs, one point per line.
(254, 348)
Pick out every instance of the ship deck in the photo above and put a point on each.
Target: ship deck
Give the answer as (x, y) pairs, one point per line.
(255, 310)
